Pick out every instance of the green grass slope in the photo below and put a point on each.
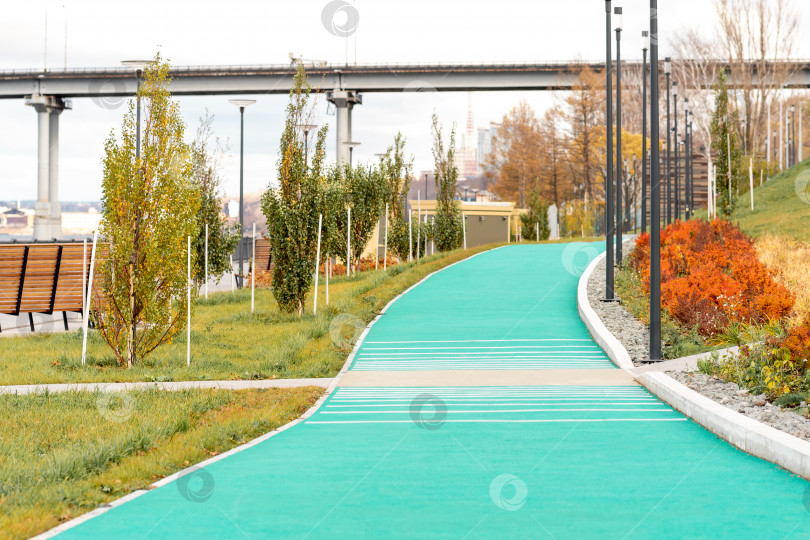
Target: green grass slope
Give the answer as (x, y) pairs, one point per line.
(781, 205)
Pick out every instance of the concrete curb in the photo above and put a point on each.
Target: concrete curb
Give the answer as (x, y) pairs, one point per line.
(612, 347)
(743, 432)
(190, 470)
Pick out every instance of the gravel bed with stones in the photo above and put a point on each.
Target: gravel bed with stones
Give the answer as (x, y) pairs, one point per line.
(738, 399)
(634, 335)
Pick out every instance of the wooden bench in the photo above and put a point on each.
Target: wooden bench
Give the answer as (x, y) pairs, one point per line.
(42, 278)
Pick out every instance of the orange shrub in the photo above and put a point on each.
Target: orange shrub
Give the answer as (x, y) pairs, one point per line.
(711, 277)
(797, 342)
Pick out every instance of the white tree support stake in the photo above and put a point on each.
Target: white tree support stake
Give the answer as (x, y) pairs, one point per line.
(188, 307)
(233, 276)
(253, 272)
(86, 313)
(410, 235)
(464, 229)
(751, 180)
(206, 261)
(349, 244)
(327, 271)
(385, 244)
(317, 261)
(537, 231)
(426, 236)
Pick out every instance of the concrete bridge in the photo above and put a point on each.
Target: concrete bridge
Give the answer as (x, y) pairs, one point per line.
(49, 92)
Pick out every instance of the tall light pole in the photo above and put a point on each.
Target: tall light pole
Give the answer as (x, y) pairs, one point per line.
(351, 145)
(619, 168)
(138, 66)
(677, 156)
(690, 167)
(645, 36)
(685, 158)
(241, 103)
(609, 297)
(668, 72)
(306, 128)
(655, 180)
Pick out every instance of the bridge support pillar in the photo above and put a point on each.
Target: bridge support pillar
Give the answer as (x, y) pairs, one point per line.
(344, 101)
(47, 210)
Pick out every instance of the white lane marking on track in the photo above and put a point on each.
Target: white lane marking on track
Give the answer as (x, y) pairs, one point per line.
(493, 421)
(483, 341)
(661, 408)
(585, 347)
(501, 404)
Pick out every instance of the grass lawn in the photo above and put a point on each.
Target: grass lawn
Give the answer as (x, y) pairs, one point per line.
(227, 340)
(62, 455)
(778, 208)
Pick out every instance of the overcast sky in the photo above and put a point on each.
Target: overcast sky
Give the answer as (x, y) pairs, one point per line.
(101, 33)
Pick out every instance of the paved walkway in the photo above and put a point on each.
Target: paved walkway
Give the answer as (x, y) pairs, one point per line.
(478, 407)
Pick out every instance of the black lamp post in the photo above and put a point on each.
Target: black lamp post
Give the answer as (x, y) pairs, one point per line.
(668, 72)
(677, 156)
(609, 165)
(655, 182)
(306, 128)
(690, 184)
(692, 163)
(645, 35)
(619, 169)
(241, 103)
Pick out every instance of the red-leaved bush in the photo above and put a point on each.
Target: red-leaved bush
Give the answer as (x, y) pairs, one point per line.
(711, 277)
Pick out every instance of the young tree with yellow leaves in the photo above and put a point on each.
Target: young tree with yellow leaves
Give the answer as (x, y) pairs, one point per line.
(150, 204)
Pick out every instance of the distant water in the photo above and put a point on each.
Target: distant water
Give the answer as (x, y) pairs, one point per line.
(23, 239)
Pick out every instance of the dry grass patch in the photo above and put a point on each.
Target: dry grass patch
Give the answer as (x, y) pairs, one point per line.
(790, 261)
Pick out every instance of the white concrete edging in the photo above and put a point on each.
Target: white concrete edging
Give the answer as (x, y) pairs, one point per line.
(743, 432)
(329, 389)
(612, 347)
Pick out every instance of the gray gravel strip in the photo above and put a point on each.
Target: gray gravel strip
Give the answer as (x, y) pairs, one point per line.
(23, 389)
(634, 335)
(738, 399)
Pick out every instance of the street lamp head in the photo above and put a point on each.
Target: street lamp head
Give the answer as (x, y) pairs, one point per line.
(242, 103)
(793, 108)
(667, 65)
(306, 127)
(645, 38)
(137, 65)
(675, 88)
(617, 11)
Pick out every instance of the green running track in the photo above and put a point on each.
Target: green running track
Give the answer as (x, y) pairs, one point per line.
(479, 462)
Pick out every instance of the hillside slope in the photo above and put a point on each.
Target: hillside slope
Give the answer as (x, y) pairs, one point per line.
(781, 205)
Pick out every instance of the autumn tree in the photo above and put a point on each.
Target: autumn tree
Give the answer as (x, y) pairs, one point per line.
(448, 229)
(585, 118)
(553, 177)
(515, 156)
(150, 205)
(222, 240)
(757, 38)
(292, 206)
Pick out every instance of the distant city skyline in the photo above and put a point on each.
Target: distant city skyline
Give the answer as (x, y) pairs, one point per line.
(92, 33)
